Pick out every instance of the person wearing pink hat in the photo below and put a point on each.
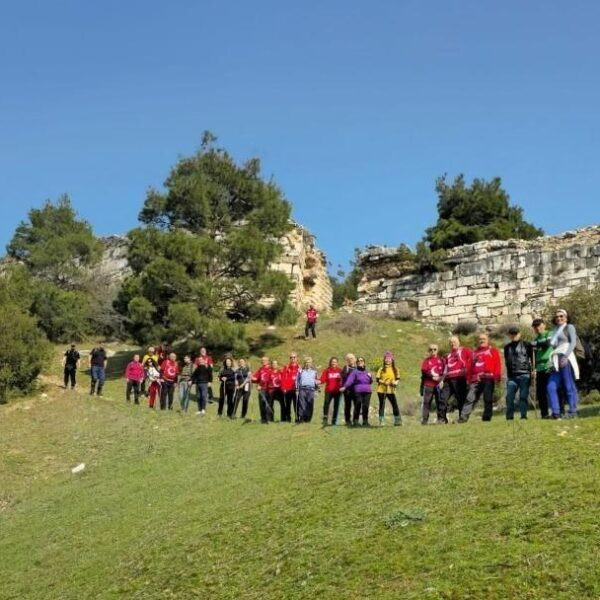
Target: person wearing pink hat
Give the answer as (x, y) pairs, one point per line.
(387, 381)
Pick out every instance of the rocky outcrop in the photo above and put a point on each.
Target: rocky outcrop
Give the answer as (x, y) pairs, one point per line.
(487, 282)
(300, 259)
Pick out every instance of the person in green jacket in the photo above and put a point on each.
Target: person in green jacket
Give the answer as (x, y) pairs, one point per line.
(543, 364)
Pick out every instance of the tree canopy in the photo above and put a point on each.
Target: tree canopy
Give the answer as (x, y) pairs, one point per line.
(205, 247)
(481, 211)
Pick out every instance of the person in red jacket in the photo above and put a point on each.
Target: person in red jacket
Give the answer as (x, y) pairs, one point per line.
(262, 377)
(432, 379)
(275, 391)
(169, 372)
(458, 365)
(134, 374)
(289, 374)
(311, 321)
(331, 378)
(485, 371)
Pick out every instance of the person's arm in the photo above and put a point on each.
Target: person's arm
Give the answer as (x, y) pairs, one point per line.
(507, 361)
(572, 337)
(497, 365)
(531, 355)
(64, 360)
(323, 377)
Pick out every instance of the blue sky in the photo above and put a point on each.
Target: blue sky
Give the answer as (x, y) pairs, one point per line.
(354, 107)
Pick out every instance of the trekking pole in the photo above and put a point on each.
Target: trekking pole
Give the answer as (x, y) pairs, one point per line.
(236, 401)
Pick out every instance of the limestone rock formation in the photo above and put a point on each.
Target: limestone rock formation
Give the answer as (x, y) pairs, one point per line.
(301, 260)
(487, 282)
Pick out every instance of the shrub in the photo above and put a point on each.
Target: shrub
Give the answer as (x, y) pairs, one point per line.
(348, 324)
(288, 315)
(403, 313)
(465, 328)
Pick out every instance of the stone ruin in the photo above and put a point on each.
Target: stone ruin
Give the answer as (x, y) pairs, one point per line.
(300, 259)
(487, 282)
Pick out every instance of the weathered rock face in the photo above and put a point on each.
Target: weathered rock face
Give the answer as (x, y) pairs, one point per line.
(301, 260)
(488, 282)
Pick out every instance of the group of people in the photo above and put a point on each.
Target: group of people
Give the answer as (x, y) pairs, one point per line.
(456, 380)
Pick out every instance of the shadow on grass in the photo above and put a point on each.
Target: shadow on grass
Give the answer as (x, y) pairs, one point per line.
(264, 342)
(588, 411)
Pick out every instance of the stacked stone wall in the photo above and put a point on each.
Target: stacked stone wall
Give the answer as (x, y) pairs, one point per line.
(487, 282)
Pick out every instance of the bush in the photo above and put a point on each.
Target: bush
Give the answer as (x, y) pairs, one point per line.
(465, 328)
(288, 315)
(23, 351)
(403, 313)
(348, 324)
(428, 260)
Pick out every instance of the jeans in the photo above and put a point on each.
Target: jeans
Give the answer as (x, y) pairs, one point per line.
(135, 386)
(362, 401)
(184, 395)
(329, 396)
(521, 384)
(563, 378)
(310, 327)
(201, 395)
(70, 375)
(484, 388)
(98, 376)
(306, 401)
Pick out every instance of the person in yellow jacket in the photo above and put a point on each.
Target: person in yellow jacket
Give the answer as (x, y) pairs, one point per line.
(387, 380)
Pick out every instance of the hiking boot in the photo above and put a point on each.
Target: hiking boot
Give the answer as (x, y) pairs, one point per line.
(397, 421)
(325, 421)
(381, 421)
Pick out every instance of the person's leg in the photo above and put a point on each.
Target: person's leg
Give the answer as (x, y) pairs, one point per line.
(128, 389)
(171, 394)
(568, 381)
(326, 403)
(461, 388)
(473, 394)
(271, 407)
(101, 379)
(336, 407)
(348, 407)
(306, 327)
(230, 394)
(552, 389)
(313, 329)
(245, 399)
(488, 399)
(301, 405)
(441, 406)
(181, 391)
(511, 390)
(357, 398)
(136, 392)
(93, 380)
(152, 391)
(67, 376)
(221, 399)
(541, 392)
(426, 405)
(395, 409)
(365, 404)
(381, 399)
(524, 382)
(310, 404)
(263, 399)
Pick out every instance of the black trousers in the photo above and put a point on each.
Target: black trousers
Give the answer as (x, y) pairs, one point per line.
(243, 398)
(484, 388)
(361, 406)
(135, 387)
(430, 394)
(278, 396)
(226, 394)
(310, 327)
(290, 399)
(541, 394)
(349, 404)
(455, 387)
(392, 398)
(70, 375)
(264, 405)
(329, 396)
(167, 393)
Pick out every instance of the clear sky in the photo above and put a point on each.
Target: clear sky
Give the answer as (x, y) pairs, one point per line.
(354, 107)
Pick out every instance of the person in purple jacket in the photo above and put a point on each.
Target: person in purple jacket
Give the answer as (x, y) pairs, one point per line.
(360, 381)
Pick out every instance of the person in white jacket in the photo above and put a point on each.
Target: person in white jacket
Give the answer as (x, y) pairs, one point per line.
(565, 368)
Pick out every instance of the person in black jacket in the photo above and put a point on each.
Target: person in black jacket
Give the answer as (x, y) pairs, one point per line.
(202, 377)
(243, 381)
(71, 362)
(518, 357)
(227, 389)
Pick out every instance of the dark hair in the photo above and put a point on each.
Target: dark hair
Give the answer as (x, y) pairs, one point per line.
(333, 358)
(393, 367)
(225, 361)
(537, 322)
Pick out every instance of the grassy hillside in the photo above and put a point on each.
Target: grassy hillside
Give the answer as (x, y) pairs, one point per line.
(178, 506)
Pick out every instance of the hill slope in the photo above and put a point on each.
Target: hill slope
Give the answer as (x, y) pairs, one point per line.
(177, 506)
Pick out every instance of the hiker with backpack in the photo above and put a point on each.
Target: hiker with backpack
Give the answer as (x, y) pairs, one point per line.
(518, 359)
(387, 381)
(564, 369)
(98, 361)
(71, 362)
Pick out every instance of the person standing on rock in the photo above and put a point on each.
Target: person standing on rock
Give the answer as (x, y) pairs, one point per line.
(432, 377)
(331, 378)
(169, 372)
(134, 375)
(360, 380)
(289, 374)
(71, 362)
(485, 372)
(458, 363)
(543, 354)
(387, 382)
(311, 321)
(98, 362)
(565, 369)
(308, 386)
(349, 396)
(518, 358)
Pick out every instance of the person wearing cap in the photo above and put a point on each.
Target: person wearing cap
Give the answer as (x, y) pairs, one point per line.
(484, 373)
(518, 358)
(71, 362)
(542, 357)
(387, 381)
(564, 367)
(457, 365)
(432, 377)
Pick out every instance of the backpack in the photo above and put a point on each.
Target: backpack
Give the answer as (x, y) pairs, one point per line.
(583, 350)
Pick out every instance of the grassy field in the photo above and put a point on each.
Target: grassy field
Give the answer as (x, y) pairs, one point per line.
(179, 506)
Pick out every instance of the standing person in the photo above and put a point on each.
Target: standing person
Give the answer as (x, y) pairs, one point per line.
(564, 367)
(202, 378)
(243, 379)
(349, 396)
(311, 321)
(185, 382)
(486, 370)
(227, 379)
(153, 378)
(308, 385)
(262, 377)
(331, 378)
(71, 362)
(169, 372)
(432, 377)
(458, 364)
(543, 355)
(289, 374)
(275, 391)
(163, 352)
(360, 381)
(98, 361)
(208, 359)
(387, 382)
(150, 355)
(518, 358)
(134, 375)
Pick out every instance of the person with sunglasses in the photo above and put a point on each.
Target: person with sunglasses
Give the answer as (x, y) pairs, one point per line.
(360, 381)
(485, 372)
(432, 377)
(564, 367)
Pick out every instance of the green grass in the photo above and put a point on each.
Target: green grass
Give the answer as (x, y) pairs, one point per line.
(177, 506)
